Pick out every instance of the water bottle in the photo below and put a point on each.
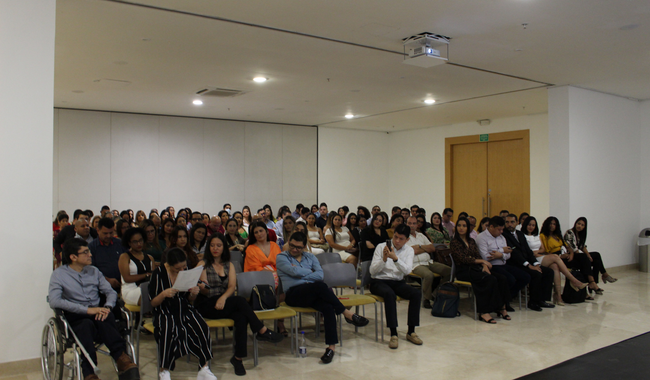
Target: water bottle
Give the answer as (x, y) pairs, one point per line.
(302, 349)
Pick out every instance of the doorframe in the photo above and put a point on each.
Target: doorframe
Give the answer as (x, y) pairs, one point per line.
(523, 134)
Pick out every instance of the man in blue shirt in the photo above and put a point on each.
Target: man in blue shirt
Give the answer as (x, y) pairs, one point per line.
(302, 281)
(75, 288)
(106, 251)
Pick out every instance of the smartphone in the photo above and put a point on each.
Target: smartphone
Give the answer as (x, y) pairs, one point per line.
(389, 244)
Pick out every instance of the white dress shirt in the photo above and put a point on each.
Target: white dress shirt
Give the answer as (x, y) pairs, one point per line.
(487, 243)
(391, 270)
(423, 258)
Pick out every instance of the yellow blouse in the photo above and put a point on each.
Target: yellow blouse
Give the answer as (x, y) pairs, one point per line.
(551, 244)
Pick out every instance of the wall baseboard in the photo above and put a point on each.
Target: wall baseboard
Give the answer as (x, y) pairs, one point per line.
(20, 367)
(623, 268)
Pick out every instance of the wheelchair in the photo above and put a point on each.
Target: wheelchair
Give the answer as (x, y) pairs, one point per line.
(61, 351)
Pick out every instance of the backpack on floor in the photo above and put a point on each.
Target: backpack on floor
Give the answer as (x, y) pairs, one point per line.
(446, 303)
(569, 295)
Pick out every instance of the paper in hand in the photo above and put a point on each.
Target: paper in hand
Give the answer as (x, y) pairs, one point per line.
(187, 279)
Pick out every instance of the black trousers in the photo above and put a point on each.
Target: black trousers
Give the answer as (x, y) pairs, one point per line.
(389, 290)
(237, 309)
(491, 290)
(89, 331)
(318, 296)
(517, 278)
(597, 265)
(580, 262)
(541, 284)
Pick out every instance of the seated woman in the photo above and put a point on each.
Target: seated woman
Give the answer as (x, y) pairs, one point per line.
(530, 229)
(490, 289)
(176, 323)
(152, 245)
(315, 236)
(166, 232)
(234, 241)
(218, 301)
(371, 237)
(386, 224)
(140, 217)
(300, 227)
(395, 221)
(522, 219)
(247, 217)
(341, 240)
(121, 226)
(197, 238)
(287, 227)
(164, 214)
(261, 255)
(178, 239)
(135, 265)
(438, 233)
(181, 221)
(575, 240)
(95, 222)
(551, 238)
(224, 216)
(363, 223)
(241, 229)
(483, 225)
(353, 226)
(205, 218)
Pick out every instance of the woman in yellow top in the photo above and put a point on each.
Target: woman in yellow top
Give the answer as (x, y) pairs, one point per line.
(552, 241)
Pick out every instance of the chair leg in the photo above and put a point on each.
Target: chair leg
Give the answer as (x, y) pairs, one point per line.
(376, 325)
(340, 318)
(475, 311)
(317, 323)
(254, 350)
(382, 322)
(519, 299)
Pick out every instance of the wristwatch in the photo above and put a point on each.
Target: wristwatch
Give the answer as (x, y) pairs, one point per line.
(395, 260)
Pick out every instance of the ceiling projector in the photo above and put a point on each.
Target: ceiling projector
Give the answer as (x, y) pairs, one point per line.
(424, 49)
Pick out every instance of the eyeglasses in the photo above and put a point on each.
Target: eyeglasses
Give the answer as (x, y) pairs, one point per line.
(296, 248)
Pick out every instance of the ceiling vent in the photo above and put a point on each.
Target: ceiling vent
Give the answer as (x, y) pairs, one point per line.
(219, 92)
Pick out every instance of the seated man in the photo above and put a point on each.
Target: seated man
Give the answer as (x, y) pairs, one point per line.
(388, 268)
(106, 251)
(302, 281)
(75, 288)
(82, 230)
(522, 257)
(68, 232)
(423, 266)
(493, 248)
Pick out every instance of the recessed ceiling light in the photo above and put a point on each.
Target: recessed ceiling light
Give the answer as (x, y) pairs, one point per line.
(260, 79)
(197, 102)
(429, 101)
(349, 116)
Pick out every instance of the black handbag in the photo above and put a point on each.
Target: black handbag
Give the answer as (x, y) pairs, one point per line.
(570, 295)
(263, 297)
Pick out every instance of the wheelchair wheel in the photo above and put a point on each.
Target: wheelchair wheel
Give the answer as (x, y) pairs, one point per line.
(52, 350)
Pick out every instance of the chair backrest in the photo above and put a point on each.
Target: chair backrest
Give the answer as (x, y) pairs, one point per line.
(237, 266)
(340, 274)
(246, 281)
(365, 273)
(145, 302)
(237, 257)
(328, 258)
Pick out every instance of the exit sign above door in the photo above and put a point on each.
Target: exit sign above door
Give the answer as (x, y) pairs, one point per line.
(484, 137)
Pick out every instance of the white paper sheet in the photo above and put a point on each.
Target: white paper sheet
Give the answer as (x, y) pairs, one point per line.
(187, 279)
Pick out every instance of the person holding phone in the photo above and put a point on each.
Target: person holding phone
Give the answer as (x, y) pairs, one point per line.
(391, 262)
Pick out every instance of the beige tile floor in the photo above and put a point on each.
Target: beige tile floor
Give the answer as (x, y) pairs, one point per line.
(453, 348)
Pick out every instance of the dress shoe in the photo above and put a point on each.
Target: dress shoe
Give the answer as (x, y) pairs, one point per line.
(357, 320)
(124, 363)
(534, 306)
(327, 356)
(414, 338)
(546, 304)
(270, 336)
(426, 304)
(394, 342)
(239, 366)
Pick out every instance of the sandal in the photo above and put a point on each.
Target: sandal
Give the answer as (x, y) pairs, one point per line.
(490, 321)
(506, 317)
(609, 278)
(589, 298)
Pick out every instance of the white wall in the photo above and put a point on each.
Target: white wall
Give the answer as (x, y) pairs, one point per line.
(419, 173)
(603, 168)
(144, 161)
(27, 61)
(353, 168)
(644, 164)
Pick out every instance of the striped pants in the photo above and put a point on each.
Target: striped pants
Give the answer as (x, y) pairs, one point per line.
(180, 334)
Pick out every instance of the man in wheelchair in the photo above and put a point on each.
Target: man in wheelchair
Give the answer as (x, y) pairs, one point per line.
(75, 288)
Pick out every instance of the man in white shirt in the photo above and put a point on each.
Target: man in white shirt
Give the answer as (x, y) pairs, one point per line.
(447, 214)
(388, 268)
(423, 266)
(493, 248)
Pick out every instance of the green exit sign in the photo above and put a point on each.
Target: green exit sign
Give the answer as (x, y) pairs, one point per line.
(484, 137)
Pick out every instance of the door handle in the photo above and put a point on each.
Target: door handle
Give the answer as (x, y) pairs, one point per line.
(482, 206)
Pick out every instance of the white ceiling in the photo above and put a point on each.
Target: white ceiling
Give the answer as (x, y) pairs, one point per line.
(132, 58)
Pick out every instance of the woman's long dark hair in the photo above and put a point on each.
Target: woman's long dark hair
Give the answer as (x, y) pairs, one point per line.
(156, 242)
(250, 217)
(386, 219)
(524, 227)
(457, 235)
(227, 235)
(208, 259)
(439, 225)
(479, 228)
(191, 240)
(350, 225)
(251, 232)
(582, 235)
(330, 221)
(371, 228)
(546, 228)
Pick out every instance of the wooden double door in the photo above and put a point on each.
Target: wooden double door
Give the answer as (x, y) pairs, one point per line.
(488, 173)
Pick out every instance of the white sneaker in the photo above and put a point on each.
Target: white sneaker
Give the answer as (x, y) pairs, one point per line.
(164, 375)
(205, 374)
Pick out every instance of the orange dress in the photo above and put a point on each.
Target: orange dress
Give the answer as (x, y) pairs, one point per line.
(256, 260)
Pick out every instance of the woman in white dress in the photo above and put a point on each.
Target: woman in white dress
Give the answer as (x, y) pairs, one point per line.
(341, 240)
(315, 236)
(553, 261)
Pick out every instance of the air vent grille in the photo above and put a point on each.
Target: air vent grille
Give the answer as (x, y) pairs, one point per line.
(219, 92)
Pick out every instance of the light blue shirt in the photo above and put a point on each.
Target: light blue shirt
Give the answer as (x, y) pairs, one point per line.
(293, 272)
(487, 243)
(75, 291)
